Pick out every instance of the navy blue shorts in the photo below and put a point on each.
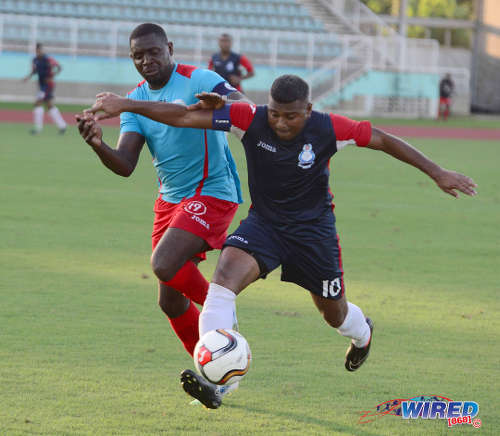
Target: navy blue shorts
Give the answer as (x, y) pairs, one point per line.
(46, 92)
(314, 264)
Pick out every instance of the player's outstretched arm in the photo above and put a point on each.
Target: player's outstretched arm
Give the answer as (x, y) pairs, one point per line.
(110, 105)
(121, 160)
(448, 181)
(212, 100)
(29, 75)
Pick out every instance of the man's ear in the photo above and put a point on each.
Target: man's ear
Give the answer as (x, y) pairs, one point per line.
(309, 108)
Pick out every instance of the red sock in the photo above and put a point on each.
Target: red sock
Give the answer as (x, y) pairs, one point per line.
(186, 327)
(190, 282)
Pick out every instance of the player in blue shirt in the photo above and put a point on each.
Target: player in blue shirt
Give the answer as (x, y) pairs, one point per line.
(199, 188)
(291, 223)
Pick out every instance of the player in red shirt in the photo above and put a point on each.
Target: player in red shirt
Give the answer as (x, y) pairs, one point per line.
(228, 63)
(291, 222)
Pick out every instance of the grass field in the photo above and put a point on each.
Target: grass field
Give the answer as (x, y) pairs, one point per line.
(85, 350)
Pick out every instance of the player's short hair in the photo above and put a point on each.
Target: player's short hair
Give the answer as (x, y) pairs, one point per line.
(148, 29)
(39, 45)
(289, 88)
(226, 35)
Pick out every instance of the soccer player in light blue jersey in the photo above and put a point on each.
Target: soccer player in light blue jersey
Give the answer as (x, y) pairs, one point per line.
(199, 188)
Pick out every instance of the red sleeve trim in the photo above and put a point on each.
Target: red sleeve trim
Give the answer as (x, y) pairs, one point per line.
(210, 65)
(185, 70)
(242, 115)
(246, 63)
(138, 86)
(53, 62)
(347, 129)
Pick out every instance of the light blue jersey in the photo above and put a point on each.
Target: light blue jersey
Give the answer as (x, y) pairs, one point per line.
(188, 161)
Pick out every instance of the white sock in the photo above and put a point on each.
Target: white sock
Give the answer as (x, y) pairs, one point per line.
(57, 118)
(218, 310)
(355, 326)
(38, 118)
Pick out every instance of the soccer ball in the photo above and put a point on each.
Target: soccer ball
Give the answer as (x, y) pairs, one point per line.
(222, 356)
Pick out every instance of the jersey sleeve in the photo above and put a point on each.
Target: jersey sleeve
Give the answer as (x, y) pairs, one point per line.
(244, 61)
(236, 118)
(53, 62)
(211, 64)
(129, 121)
(350, 132)
(210, 81)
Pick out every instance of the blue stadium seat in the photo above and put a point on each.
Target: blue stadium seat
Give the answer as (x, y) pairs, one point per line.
(270, 14)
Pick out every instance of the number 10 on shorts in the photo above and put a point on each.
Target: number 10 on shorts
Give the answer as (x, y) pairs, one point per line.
(331, 288)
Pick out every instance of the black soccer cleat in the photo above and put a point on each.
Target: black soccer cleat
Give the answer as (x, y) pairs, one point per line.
(200, 389)
(355, 356)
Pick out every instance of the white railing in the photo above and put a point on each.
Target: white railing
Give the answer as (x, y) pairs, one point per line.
(333, 60)
(359, 17)
(74, 36)
(356, 58)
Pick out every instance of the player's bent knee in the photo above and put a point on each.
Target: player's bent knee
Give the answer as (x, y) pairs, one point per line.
(164, 271)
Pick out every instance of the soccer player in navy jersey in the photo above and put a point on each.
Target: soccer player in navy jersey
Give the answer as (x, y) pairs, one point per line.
(291, 222)
(199, 189)
(45, 67)
(228, 64)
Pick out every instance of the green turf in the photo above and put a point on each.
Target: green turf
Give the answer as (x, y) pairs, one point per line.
(84, 349)
(63, 107)
(471, 122)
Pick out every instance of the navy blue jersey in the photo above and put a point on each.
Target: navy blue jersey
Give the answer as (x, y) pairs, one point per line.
(446, 88)
(289, 181)
(43, 66)
(230, 66)
(226, 67)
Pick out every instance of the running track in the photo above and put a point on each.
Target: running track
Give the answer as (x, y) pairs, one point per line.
(19, 116)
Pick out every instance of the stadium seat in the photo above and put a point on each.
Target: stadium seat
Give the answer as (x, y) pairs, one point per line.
(266, 14)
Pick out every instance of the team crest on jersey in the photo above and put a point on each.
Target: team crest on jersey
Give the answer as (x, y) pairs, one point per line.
(306, 156)
(195, 207)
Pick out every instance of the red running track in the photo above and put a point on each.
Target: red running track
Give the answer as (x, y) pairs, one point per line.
(20, 116)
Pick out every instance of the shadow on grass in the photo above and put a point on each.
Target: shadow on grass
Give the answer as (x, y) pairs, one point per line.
(306, 419)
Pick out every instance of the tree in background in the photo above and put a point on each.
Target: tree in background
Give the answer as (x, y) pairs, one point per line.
(457, 9)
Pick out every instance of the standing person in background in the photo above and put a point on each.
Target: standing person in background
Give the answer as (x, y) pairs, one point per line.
(446, 88)
(228, 63)
(46, 68)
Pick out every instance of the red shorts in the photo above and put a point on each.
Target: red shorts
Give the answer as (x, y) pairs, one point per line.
(444, 100)
(201, 215)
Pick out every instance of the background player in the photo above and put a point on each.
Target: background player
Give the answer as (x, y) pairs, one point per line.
(198, 184)
(291, 223)
(228, 63)
(446, 88)
(46, 68)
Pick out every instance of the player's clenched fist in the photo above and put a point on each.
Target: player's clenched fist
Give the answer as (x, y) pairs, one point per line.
(89, 130)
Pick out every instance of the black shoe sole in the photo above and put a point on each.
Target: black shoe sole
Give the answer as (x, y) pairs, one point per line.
(198, 388)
